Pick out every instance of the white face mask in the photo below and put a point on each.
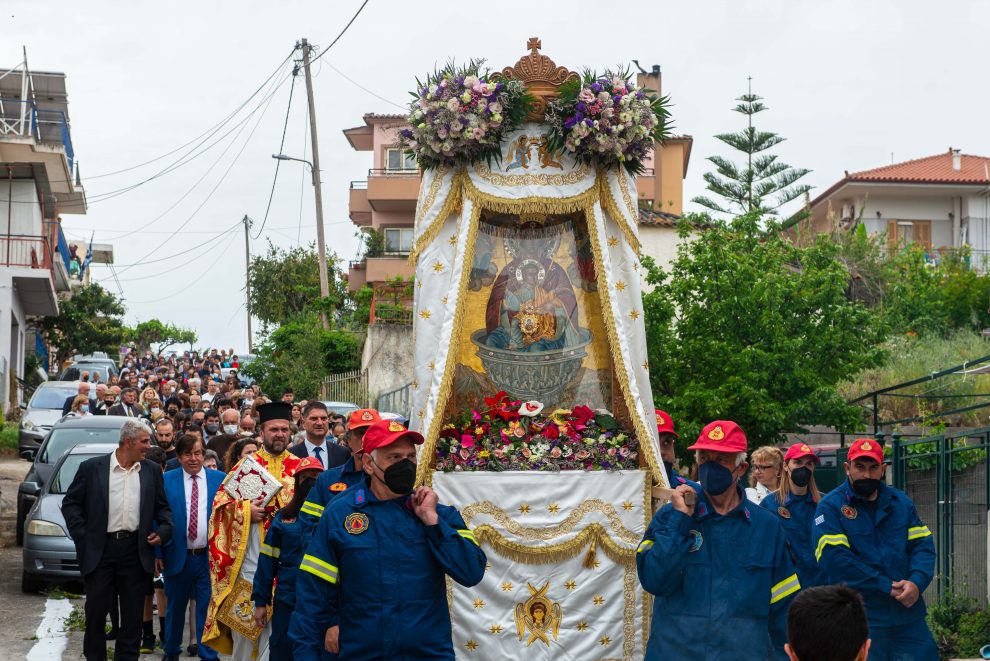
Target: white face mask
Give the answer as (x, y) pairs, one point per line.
(230, 430)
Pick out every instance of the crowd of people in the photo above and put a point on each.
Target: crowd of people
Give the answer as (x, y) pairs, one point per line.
(349, 559)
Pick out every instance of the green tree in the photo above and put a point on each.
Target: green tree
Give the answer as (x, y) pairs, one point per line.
(763, 184)
(91, 320)
(164, 335)
(749, 327)
(285, 283)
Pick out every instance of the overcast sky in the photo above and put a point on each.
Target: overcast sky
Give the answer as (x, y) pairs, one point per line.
(850, 84)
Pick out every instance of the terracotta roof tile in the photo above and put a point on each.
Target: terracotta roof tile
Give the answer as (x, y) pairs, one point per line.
(931, 169)
(658, 218)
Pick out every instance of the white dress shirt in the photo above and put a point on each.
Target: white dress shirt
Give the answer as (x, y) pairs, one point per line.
(323, 452)
(201, 519)
(124, 506)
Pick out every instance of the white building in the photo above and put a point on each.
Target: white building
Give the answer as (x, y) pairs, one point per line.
(38, 182)
(940, 202)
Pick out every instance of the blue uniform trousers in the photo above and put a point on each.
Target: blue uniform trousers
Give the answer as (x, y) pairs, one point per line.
(912, 642)
(193, 581)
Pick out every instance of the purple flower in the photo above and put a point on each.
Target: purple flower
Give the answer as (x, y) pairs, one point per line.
(616, 99)
(596, 88)
(570, 122)
(581, 107)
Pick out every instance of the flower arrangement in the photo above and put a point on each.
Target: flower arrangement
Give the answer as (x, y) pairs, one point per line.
(516, 435)
(606, 119)
(459, 115)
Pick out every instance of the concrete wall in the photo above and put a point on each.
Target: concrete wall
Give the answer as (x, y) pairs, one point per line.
(660, 243)
(12, 328)
(25, 212)
(387, 357)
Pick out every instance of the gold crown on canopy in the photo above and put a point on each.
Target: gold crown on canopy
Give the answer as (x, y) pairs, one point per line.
(540, 74)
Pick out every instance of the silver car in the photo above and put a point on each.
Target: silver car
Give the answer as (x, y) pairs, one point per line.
(43, 410)
(49, 556)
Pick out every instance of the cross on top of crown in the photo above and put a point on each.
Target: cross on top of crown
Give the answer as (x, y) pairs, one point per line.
(534, 44)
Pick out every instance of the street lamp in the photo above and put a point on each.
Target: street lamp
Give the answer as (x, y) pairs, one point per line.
(320, 244)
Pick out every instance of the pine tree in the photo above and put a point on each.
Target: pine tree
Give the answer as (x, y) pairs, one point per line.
(764, 184)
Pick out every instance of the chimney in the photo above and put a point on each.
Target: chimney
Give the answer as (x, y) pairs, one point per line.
(956, 159)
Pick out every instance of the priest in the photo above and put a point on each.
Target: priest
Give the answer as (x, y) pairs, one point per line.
(237, 531)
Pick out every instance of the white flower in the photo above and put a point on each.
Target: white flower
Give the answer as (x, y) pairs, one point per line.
(530, 408)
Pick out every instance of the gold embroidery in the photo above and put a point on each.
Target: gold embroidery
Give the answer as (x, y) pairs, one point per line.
(530, 179)
(627, 506)
(452, 240)
(604, 640)
(599, 600)
(646, 365)
(612, 242)
(425, 314)
(570, 584)
(426, 204)
(548, 533)
(634, 315)
(495, 628)
(506, 587)
(524, 509)
(471, 645)
(553, 508)
(479, 603)
(438, 266)
(609, 204)
(620, 285)
(582, 626)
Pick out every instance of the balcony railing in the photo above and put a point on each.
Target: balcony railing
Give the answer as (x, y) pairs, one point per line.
(27, 251)
(385, 172)
(50, 126)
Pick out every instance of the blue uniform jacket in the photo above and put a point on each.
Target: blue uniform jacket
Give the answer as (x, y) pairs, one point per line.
(869, 556)
(797, 516)
(280, 555)
(674, 479)
(375, 567)
(330, 484)
(722, 583)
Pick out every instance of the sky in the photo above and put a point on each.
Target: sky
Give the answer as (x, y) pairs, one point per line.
(852, 85)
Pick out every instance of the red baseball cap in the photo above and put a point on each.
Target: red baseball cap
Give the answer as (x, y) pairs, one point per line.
(309, 463)
(386, 432)
(721, 436)
(799, 450)
(362, 418)
(665, 424)
(866, 447)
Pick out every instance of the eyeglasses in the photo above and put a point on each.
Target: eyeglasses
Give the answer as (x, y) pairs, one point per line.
(762, 467)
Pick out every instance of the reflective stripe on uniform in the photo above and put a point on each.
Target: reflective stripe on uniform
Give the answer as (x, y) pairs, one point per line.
(467, 534)
(827, 540)
(312, 509)
(789, 585)
(318, 567)
(918, 532)
(272, 551)
(645, 544)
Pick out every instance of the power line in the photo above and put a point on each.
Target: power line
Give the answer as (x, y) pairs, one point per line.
(362, 87)
(186, 288)
(281, 146)
(176, 254)
(353, 18)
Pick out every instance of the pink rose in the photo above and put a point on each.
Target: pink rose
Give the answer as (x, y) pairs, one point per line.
(526, 453)
(467, 441)
(464, 454)
(555, 453)
(586, 95)
(611, 452)
(581, 455)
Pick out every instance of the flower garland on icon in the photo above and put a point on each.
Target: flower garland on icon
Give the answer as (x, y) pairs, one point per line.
(460, 114)
(515, 435)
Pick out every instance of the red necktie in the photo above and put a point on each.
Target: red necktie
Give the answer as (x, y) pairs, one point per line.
(193, 509)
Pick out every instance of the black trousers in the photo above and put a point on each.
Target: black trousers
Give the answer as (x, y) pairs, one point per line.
(119, 573)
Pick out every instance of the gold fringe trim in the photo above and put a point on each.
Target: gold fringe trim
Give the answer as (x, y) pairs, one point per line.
(612, 207)
(579, 202)
(613, 337)
(547, 533)
(594, 534)
(450, 205)
(424, 471)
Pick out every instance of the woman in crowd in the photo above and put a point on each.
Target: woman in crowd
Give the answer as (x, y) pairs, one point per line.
(764, 475)
(148, 395)
(281, 553)
(795, 502)
(238, 451)
(296, 415)
(80, 407)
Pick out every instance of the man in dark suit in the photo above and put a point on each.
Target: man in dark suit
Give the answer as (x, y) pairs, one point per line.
(185, 559)
(128, 404)
(105, 399)
(111, 509)
(83, 390)
(316, 423)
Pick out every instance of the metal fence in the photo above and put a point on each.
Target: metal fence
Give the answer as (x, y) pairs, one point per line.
(346, 387)
(398, 401)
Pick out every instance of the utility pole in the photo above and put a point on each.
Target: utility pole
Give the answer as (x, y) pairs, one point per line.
(320, 243)
(247, 278)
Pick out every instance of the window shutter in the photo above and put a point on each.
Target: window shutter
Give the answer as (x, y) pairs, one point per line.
(923, 234)
(891, 237)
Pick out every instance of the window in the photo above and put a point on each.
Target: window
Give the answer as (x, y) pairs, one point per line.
(397, 159)
(903, 232)
(398, 240)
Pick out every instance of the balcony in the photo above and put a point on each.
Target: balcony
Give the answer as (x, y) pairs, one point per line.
(358, 207)
(376, 270)
(30, 262)
(393, 190)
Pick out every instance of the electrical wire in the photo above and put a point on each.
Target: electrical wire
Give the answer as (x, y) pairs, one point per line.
(176, 254)
(185, 289)
(362, 87)
(281, 147)
(353, 18)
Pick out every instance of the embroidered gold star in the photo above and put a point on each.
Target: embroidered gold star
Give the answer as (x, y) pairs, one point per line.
(431, 366)
(444, 300)
(421, 414)
(620, 286)
(471, 645)
(582, 626)
(438, 266)
(479, 603)
(612, 242)
(452, 240)
(599, 600)
(627, 506)
(646, 365)
(634, 315)
(524, 509)
(419, 284)
(495, 628)
(604, 640)
(415, 384)
(553, 508)
(425, 314)
(570, 585)
(506, 587)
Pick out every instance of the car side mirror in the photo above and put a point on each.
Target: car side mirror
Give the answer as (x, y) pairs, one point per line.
(23, 406)
(28, 454)
(31, 488)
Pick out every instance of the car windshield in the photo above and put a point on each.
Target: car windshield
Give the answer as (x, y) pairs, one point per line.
(63, 478)
(73, 373)
(61, 440)
(51, 398)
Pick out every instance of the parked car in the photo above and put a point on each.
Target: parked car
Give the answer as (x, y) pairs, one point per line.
(341, 408)
(42, 411)
(98, 357)
(74, 371)
(49, 554)
(67, 433)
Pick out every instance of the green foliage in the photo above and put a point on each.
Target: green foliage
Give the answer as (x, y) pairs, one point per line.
(91, 320)
(374, 242)
(8, 436)
(286, 283)
(750, 327)
(924, 456)
(76, 620)
(299, 353)
(960, 627)
(164, 335)
(760, 186)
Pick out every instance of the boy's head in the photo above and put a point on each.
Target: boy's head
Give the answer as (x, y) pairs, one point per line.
(827, 623)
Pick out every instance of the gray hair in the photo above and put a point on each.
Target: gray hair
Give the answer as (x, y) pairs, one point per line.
(211, 454)
(740, 456)
(132, 430)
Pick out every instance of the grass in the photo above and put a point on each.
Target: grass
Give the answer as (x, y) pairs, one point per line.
(8, 436)
(56, 592)
(76, 620)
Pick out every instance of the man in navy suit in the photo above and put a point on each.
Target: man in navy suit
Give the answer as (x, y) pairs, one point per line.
(316, 423)
(184, 560)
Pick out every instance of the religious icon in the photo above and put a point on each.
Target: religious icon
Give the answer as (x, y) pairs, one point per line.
(539, 616)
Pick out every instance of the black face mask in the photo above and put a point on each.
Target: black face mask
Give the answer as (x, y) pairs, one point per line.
(801, 476)
(304, 487)
(865, 487)
(400, 476)
(212, 429)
